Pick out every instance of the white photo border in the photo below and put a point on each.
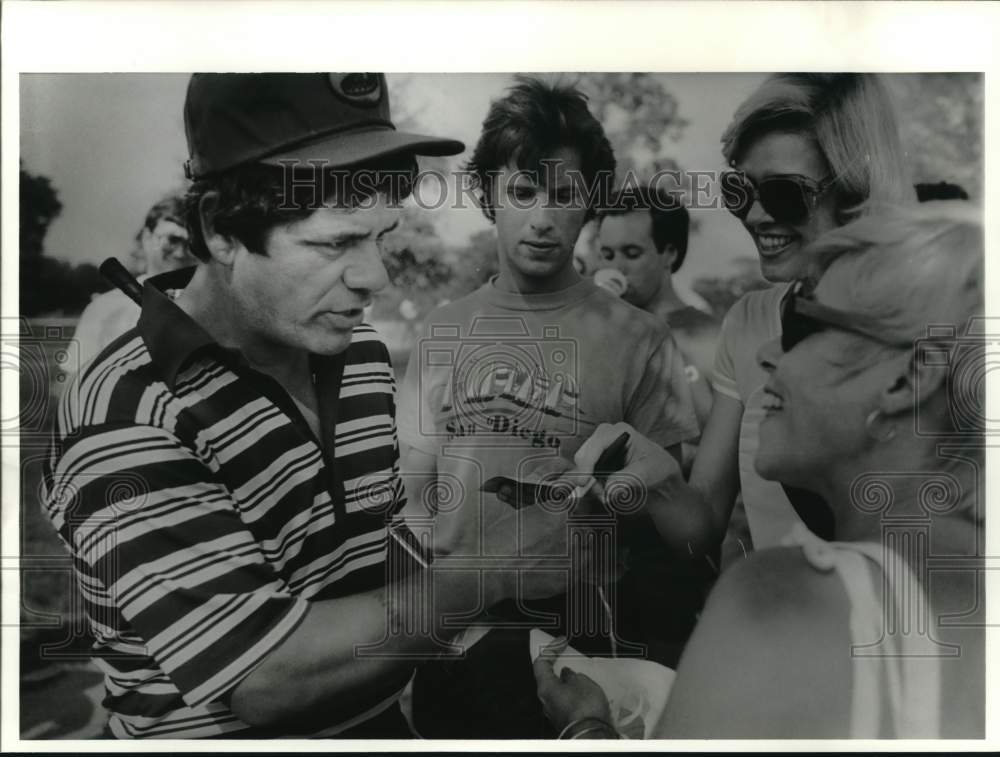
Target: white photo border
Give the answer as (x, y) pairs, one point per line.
(477, 36)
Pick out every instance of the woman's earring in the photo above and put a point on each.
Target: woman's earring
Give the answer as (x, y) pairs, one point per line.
(872, 423)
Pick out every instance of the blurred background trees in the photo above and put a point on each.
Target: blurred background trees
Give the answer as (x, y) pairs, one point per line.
(48, 285)
(942, 128)
(641, 118)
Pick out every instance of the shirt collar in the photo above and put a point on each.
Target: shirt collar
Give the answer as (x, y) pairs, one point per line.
(174, 338)
(171, 335)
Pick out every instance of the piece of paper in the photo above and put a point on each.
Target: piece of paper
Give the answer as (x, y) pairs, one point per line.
(637, 690)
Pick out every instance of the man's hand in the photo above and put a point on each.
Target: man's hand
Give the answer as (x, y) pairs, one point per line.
(539, 536)
(647, 467)
(569, 696)
(556, 478)
(652, 481)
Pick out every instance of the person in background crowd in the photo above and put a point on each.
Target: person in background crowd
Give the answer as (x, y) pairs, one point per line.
(942, 190)
(521, 371)
(857, 638)
(226, 473)
(808, 153)
(644, 234)
(162, 243)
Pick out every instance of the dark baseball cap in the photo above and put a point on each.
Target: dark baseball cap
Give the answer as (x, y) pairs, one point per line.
(341, 119)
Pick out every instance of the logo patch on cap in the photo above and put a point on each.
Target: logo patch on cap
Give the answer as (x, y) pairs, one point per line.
(364, 90)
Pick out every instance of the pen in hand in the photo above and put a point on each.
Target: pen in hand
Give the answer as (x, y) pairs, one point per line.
(611, 461)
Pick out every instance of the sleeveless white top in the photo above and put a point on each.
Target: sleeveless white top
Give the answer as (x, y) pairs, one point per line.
(896, 671)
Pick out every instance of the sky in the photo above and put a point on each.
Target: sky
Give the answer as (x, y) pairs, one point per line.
(113, 144)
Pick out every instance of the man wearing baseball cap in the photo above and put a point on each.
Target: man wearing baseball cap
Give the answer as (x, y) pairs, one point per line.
(226, 473)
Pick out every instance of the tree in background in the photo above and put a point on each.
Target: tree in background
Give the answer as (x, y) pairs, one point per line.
(641, 118)
(942, 127)
(40, 206)
(418, 264)
(474, 264)
(48, 285)
(407, 114)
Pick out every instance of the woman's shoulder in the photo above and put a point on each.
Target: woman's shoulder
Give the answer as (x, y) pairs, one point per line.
(779, 582)
(769, 655)
(756, 310)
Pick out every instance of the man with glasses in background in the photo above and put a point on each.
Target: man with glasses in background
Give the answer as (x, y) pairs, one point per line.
(161, 246)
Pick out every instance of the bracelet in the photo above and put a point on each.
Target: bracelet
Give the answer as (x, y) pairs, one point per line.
(605, 730)
(594, 725)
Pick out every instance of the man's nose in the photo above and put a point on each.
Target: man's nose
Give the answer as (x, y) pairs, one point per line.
(617, 262)
(367, 272)
(769, 354)
(541, 220)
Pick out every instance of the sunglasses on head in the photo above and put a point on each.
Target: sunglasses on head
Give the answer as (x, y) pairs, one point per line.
(802, 316)
(787, 198)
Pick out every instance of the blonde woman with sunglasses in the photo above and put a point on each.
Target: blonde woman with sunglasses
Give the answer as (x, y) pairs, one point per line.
(874, 400)
(808, 153)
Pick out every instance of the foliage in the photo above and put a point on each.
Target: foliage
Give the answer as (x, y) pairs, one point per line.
(942, 128)
(40, 206)
(474, 264)
(416, 260)
(639, 115)
(641, 118)
(47, 284)
(426, 271)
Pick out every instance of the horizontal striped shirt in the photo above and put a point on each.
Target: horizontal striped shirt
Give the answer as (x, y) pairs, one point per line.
(203, 514)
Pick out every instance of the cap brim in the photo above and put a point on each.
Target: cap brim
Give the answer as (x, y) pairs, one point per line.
(357, 147)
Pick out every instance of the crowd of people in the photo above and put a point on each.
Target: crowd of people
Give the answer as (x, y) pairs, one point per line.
(785, 508)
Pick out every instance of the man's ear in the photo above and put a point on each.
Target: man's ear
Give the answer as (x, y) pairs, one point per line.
(145, 239)
(916, 377)
(669, 256)
(221, 248)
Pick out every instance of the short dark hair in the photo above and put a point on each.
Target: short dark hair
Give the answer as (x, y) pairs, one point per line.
(668, 216)
(528, 124)
(254, 199)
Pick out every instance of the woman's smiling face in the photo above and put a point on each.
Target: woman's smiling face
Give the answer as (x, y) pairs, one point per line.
(779, 246)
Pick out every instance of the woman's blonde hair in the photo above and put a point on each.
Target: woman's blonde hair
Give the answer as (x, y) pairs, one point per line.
(852, 121)
(917, 272)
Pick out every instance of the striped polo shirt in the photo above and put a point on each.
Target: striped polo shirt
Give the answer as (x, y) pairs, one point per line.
(203, 514)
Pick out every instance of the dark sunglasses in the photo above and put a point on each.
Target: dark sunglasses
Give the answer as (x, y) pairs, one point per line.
(787, 198)
(802, 316)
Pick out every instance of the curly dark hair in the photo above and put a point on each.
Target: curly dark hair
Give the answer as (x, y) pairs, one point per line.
(530, 123)
(254, 199)
(667, 213)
